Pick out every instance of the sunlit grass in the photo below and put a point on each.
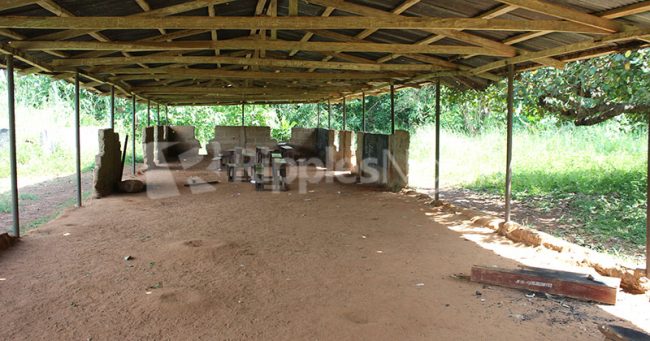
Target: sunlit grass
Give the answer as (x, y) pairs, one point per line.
(599, 171)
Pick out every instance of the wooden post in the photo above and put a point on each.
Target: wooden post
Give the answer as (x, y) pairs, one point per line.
(13, 164)
(345, 114)
(318, 115)
(392, 109)
(329, 114)
(112, 107)
(437, 183)
(166, 115)
(157, 114)
(148, 112)
(77, 137)
(133, 136)
(511, 79)
(363, 112)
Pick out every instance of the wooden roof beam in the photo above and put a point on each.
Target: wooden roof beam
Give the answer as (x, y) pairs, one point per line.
(11, 4)
(566, 49)
(66, 64)
(161, 12)
(611, 14)
(93, 24)
(624, 11)
(250, 44)
(567, 13)
(444, 32)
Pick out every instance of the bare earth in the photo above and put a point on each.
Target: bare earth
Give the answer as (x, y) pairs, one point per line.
(344, 262)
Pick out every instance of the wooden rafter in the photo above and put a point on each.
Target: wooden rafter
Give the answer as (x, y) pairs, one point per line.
(93, 24)
(268, 62)
(567, 13)
(566, 49)
(236, 44)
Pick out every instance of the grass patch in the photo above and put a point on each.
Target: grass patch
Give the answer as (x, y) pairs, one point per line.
(5, 200)
(595, 175)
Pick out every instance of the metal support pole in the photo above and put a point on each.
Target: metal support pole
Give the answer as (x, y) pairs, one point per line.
(437, 186)
(148, 113)
(647, 224)
(511, 79)
(329, 114)
(345, 113)
(77, 136)
(363, 112)
(392, 109)
(11, 107)
(318, 115)
(242, 114)
(166, 115)
(133, 136)
(158, 114)
(112, 107)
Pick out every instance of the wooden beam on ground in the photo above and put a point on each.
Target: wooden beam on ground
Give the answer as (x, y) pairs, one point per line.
(69, 63)
(567, 13)
(570, 284)
(237, 44)
(291, 23)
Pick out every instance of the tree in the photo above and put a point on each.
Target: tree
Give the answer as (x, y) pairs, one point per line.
(593, 91)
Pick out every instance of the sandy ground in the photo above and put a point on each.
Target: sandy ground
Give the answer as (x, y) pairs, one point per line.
(341, 262)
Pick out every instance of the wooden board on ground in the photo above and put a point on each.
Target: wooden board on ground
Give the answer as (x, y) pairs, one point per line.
(569, 284)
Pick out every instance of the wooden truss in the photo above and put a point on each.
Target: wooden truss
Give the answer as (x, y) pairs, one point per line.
(342, 51)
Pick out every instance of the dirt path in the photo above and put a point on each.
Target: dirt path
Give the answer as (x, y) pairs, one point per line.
(343, 262)
(45, 200)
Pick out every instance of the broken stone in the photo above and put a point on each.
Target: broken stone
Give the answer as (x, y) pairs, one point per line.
(131, 186)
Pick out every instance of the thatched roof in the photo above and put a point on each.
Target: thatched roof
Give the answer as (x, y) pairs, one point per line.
(265, 51)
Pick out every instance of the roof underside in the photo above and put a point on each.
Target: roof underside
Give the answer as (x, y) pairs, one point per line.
(204, 52)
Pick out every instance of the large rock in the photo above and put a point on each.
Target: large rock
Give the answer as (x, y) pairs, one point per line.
(131, 186)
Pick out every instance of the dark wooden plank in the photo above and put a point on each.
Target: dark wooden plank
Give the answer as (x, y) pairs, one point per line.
(569, 284)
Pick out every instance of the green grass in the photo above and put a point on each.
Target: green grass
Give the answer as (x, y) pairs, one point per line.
(5, 200)
(597, 174)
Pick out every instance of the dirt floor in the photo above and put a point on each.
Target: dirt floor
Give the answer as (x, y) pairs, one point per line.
(223, 262)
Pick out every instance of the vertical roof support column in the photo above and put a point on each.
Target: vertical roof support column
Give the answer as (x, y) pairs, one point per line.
(112, 123)
(242, 114)
(437, 181)
(329, 114)
(77, 137)
(157, 114)
(392, 109)
(133, 135)
(318, 115)
(345, 114)
(166, 115)
(647, 224)
(11, 108)
(511, 79)
(363, 112)
(148, 113)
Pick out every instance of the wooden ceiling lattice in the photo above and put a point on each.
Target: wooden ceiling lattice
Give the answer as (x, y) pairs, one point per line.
(203, 52)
